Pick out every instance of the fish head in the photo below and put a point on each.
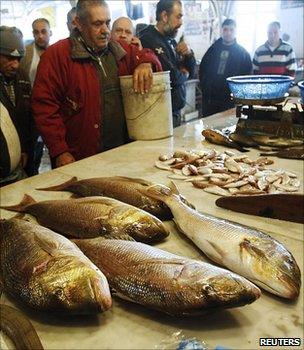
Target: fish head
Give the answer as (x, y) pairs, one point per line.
(273, 267)
(226, 289)
(144, 227)
(70, 285)
(210, 134)
(206, 286)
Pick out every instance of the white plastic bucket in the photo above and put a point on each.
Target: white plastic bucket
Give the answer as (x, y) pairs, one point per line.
(148, 116)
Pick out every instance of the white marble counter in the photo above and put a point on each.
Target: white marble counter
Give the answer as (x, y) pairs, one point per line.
(130, 326)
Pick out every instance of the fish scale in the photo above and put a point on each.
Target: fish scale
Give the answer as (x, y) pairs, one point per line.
(249, 252)
(164, 281)
(121, 188)
(93, 217)
(49, 273)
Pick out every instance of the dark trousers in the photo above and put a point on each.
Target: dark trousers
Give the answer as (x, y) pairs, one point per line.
(177, 119)
(210, 107)
(34, 159)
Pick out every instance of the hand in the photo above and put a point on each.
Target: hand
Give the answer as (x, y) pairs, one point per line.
(64, 159)
(137, 42)
(183, 49)
(143, 78)
(184, 71)
(23, 159)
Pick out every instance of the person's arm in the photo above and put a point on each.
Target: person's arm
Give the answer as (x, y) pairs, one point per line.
(177, 76)
(136, 41)
(291, 64)
(204, 66)
(141, 64)
(188, 61)
(246, 67)
(47, 96)
(255, 64)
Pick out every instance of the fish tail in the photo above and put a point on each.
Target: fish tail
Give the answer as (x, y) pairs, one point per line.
(21, 207)
(60, 187)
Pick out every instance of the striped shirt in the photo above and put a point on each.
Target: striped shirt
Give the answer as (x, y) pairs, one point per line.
(281, 60)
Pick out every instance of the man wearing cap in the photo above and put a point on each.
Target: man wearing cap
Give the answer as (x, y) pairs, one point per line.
(16, 121)
(77, 101)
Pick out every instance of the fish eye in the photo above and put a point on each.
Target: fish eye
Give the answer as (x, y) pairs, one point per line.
(207, 288)
(59, 293)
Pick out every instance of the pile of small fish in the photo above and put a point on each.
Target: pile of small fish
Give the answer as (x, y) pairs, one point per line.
(226, 173)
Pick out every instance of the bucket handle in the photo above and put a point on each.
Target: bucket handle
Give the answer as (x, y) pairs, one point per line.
(164, 87)
(148, 109)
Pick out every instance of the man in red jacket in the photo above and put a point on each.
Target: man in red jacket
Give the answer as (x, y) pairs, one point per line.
(76, 100)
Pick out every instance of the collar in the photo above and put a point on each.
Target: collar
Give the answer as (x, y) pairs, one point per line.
(81, 51)
(7, 81)
(268, 45)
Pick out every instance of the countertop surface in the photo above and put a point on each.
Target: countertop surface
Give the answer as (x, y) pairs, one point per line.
(131, 326)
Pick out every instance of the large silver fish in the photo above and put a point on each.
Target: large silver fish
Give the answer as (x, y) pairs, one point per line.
(47, 272)
(164, 281)
(93, 217)
(124, 189)
(246, 251)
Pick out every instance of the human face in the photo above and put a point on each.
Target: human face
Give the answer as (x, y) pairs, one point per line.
(273, 34)
(122, 30)
(173, 21)
(228, 34)
(9, 65)
(95, 29)
(42, 34)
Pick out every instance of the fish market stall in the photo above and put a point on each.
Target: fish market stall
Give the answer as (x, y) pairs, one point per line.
(130, 326)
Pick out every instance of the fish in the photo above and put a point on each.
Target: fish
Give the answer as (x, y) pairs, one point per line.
(274, 141)
(216, 137)
(251, 253)
(47, 272)
(166, 282)
(124, 189)
(19, 329)
(90, 217)
(243, 139)
(289, 153)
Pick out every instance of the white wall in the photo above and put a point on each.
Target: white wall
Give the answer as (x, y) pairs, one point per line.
(291, 20)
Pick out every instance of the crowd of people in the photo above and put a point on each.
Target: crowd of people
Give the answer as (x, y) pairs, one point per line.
(67, 95)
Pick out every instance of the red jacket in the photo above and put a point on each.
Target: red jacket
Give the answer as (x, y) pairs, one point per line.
(66, 99)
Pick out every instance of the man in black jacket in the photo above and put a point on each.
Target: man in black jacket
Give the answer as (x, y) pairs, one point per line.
(225, 58)
(16, 121)
(175, 57)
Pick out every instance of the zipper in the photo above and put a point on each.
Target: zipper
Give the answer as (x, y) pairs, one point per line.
(102, 67)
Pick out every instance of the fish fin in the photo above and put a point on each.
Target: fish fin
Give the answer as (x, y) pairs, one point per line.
(19, 216)
(135, 180)
(21, 207)
(251, 248)
(60, 187)
(217, 253)
(48, 245)
(75, 196)
(174, 188)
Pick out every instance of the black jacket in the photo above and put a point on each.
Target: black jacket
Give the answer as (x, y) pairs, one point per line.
(213, 71)
(161, 46)
(21, 118)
